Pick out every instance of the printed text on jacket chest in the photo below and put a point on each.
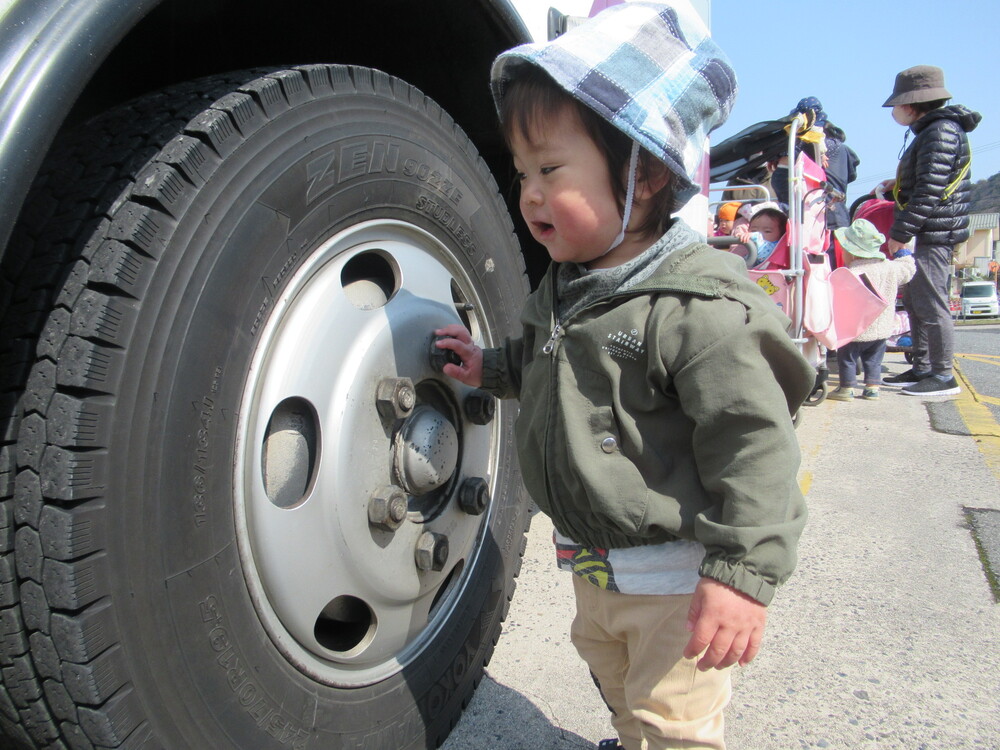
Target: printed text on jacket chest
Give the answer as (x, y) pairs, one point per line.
(624, 345)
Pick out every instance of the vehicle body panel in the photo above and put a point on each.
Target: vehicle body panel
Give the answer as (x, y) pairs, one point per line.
(979, 299)
(59, 54)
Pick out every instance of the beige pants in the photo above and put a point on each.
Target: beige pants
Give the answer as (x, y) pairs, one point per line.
(634, 646)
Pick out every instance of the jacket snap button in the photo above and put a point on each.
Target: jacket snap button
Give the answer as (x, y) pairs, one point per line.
(608, 445)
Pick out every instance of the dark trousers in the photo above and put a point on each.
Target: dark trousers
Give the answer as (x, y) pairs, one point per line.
(869, 353)
(926, 300)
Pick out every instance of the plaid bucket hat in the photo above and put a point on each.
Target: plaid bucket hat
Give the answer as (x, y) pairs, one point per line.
(649, 69)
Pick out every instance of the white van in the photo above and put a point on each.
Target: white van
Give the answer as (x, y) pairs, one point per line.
(979, 299)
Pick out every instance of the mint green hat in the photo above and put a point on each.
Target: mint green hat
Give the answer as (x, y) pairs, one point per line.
(861, 239)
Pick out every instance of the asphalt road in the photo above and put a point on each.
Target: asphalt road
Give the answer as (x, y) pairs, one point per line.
(888, 634)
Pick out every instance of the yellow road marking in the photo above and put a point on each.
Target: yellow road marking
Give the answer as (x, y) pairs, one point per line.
(979, 420)
(989, 359)
(825, 416)
(805, 482)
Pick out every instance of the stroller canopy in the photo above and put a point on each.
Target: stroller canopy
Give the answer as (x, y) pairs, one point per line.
(742, 157)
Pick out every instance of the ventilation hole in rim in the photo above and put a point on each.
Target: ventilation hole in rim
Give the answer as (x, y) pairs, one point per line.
(344, 624)
(369, 281)
(288, 455)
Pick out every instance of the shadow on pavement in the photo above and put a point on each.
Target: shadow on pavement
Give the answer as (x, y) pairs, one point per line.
(496, 708)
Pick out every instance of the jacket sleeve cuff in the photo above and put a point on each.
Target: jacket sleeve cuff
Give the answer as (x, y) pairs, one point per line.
(497, 377)
(738, 577)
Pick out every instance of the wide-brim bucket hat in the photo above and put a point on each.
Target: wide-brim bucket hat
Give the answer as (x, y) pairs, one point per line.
(649, 69)
(861, 239)
(921, 83)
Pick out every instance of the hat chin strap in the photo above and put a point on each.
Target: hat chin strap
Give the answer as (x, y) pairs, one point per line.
(633, 164)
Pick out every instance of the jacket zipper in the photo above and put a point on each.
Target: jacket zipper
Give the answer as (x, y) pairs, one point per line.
(553, 342)
(549, 348)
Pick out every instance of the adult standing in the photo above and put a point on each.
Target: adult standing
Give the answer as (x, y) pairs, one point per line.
(815, 136)
(841, 169)
(931, 191)
(839, 162)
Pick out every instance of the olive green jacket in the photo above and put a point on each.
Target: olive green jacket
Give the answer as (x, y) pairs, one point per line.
(662, 412)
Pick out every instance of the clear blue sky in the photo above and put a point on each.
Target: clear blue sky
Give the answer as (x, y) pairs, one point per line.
(847, 53)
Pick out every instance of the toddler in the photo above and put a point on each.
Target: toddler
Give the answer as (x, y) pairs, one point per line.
(862, 244)
(725, 218)
(767, 227)
(657, 382)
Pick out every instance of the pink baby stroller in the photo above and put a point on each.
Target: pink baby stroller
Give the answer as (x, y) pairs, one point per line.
(827, 307)
(879, 211)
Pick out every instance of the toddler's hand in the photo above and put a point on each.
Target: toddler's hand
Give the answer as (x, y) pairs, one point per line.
(742, 232)
(459, 340)
(895, 246)
(724, 623)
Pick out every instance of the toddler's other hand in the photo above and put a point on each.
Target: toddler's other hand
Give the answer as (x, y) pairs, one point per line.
(725, 624)
(459, 340)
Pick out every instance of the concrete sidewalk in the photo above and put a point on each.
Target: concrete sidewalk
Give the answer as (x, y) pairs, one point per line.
(886, 637)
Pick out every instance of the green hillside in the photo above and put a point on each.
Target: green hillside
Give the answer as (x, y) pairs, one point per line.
(986, 196)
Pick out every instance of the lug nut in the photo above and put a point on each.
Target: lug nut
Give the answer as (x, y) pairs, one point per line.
(441, 357)
(432, 551)
(480, 407)
(387, 508)
(395, 397)
(474, 496)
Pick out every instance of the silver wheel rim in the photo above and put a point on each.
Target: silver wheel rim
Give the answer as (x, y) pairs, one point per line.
(342, 598)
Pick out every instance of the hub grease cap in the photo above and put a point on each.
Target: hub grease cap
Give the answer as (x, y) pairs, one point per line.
(426, 451)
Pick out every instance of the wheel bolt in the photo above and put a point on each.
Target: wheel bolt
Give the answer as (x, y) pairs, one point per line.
(432, 551)
(387, 508)
(395, 397)
(474, 495)
(480, 407)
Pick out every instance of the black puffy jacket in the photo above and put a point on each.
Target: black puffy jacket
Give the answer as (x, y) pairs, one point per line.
(932, 190)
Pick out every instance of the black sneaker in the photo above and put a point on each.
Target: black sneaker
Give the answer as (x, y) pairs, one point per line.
(933, 387)
(910, 377)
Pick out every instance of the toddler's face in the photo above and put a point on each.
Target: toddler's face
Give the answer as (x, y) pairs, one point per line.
(566, 196)
(726, 226)
(768, 226)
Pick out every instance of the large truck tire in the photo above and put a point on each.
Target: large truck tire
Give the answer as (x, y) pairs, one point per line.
(241, 507)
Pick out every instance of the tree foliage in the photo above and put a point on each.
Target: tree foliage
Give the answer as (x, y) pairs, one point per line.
(985, 198)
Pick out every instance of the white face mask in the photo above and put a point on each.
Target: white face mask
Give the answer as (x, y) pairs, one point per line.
(904, 114)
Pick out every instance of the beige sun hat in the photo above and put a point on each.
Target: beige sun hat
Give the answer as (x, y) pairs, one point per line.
(861, 239)
(921, 83)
